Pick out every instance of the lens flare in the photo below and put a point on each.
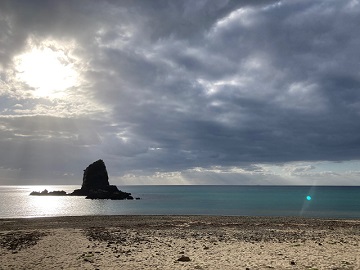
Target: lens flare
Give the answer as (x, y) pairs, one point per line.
(308, 198)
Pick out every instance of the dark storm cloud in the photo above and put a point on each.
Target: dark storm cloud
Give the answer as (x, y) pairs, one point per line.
(291, 109)
(204, 83)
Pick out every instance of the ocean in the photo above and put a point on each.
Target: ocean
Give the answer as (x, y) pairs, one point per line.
(304, 201)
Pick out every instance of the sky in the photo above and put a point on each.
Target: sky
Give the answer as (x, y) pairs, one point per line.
(180, 92)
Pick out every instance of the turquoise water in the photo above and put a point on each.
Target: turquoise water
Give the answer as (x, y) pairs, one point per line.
(329, 202)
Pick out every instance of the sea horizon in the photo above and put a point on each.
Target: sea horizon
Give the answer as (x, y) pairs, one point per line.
(217, 200)
(255, 185)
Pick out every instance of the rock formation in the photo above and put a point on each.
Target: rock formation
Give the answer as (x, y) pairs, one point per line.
(95, 185)
(47, 193)
(95, 176)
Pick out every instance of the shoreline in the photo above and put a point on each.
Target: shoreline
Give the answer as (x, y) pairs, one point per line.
(113, 220)
(179, 242)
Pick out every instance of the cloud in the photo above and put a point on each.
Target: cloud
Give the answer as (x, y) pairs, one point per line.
(168, 86)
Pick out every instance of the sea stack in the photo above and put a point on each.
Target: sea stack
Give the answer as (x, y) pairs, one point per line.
(95, 176)
(96, 185)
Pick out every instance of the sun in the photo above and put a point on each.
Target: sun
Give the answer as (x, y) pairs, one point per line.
(49, 71)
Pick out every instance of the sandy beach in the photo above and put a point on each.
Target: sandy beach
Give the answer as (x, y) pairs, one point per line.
(179, 242)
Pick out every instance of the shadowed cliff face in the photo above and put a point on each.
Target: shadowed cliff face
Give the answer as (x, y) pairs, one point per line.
(95, 176)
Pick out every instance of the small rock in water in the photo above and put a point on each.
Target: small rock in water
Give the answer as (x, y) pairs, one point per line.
(184, 259)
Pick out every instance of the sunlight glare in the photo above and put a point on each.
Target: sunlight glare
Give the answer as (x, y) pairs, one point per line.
(49, 71)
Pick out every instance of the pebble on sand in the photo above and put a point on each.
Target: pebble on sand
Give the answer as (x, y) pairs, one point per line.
(184, 259)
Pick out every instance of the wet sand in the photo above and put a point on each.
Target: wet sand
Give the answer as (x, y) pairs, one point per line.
(179, 242)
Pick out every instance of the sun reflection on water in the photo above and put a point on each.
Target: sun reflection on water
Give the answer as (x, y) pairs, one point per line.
(45, 206)
(49, 205)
